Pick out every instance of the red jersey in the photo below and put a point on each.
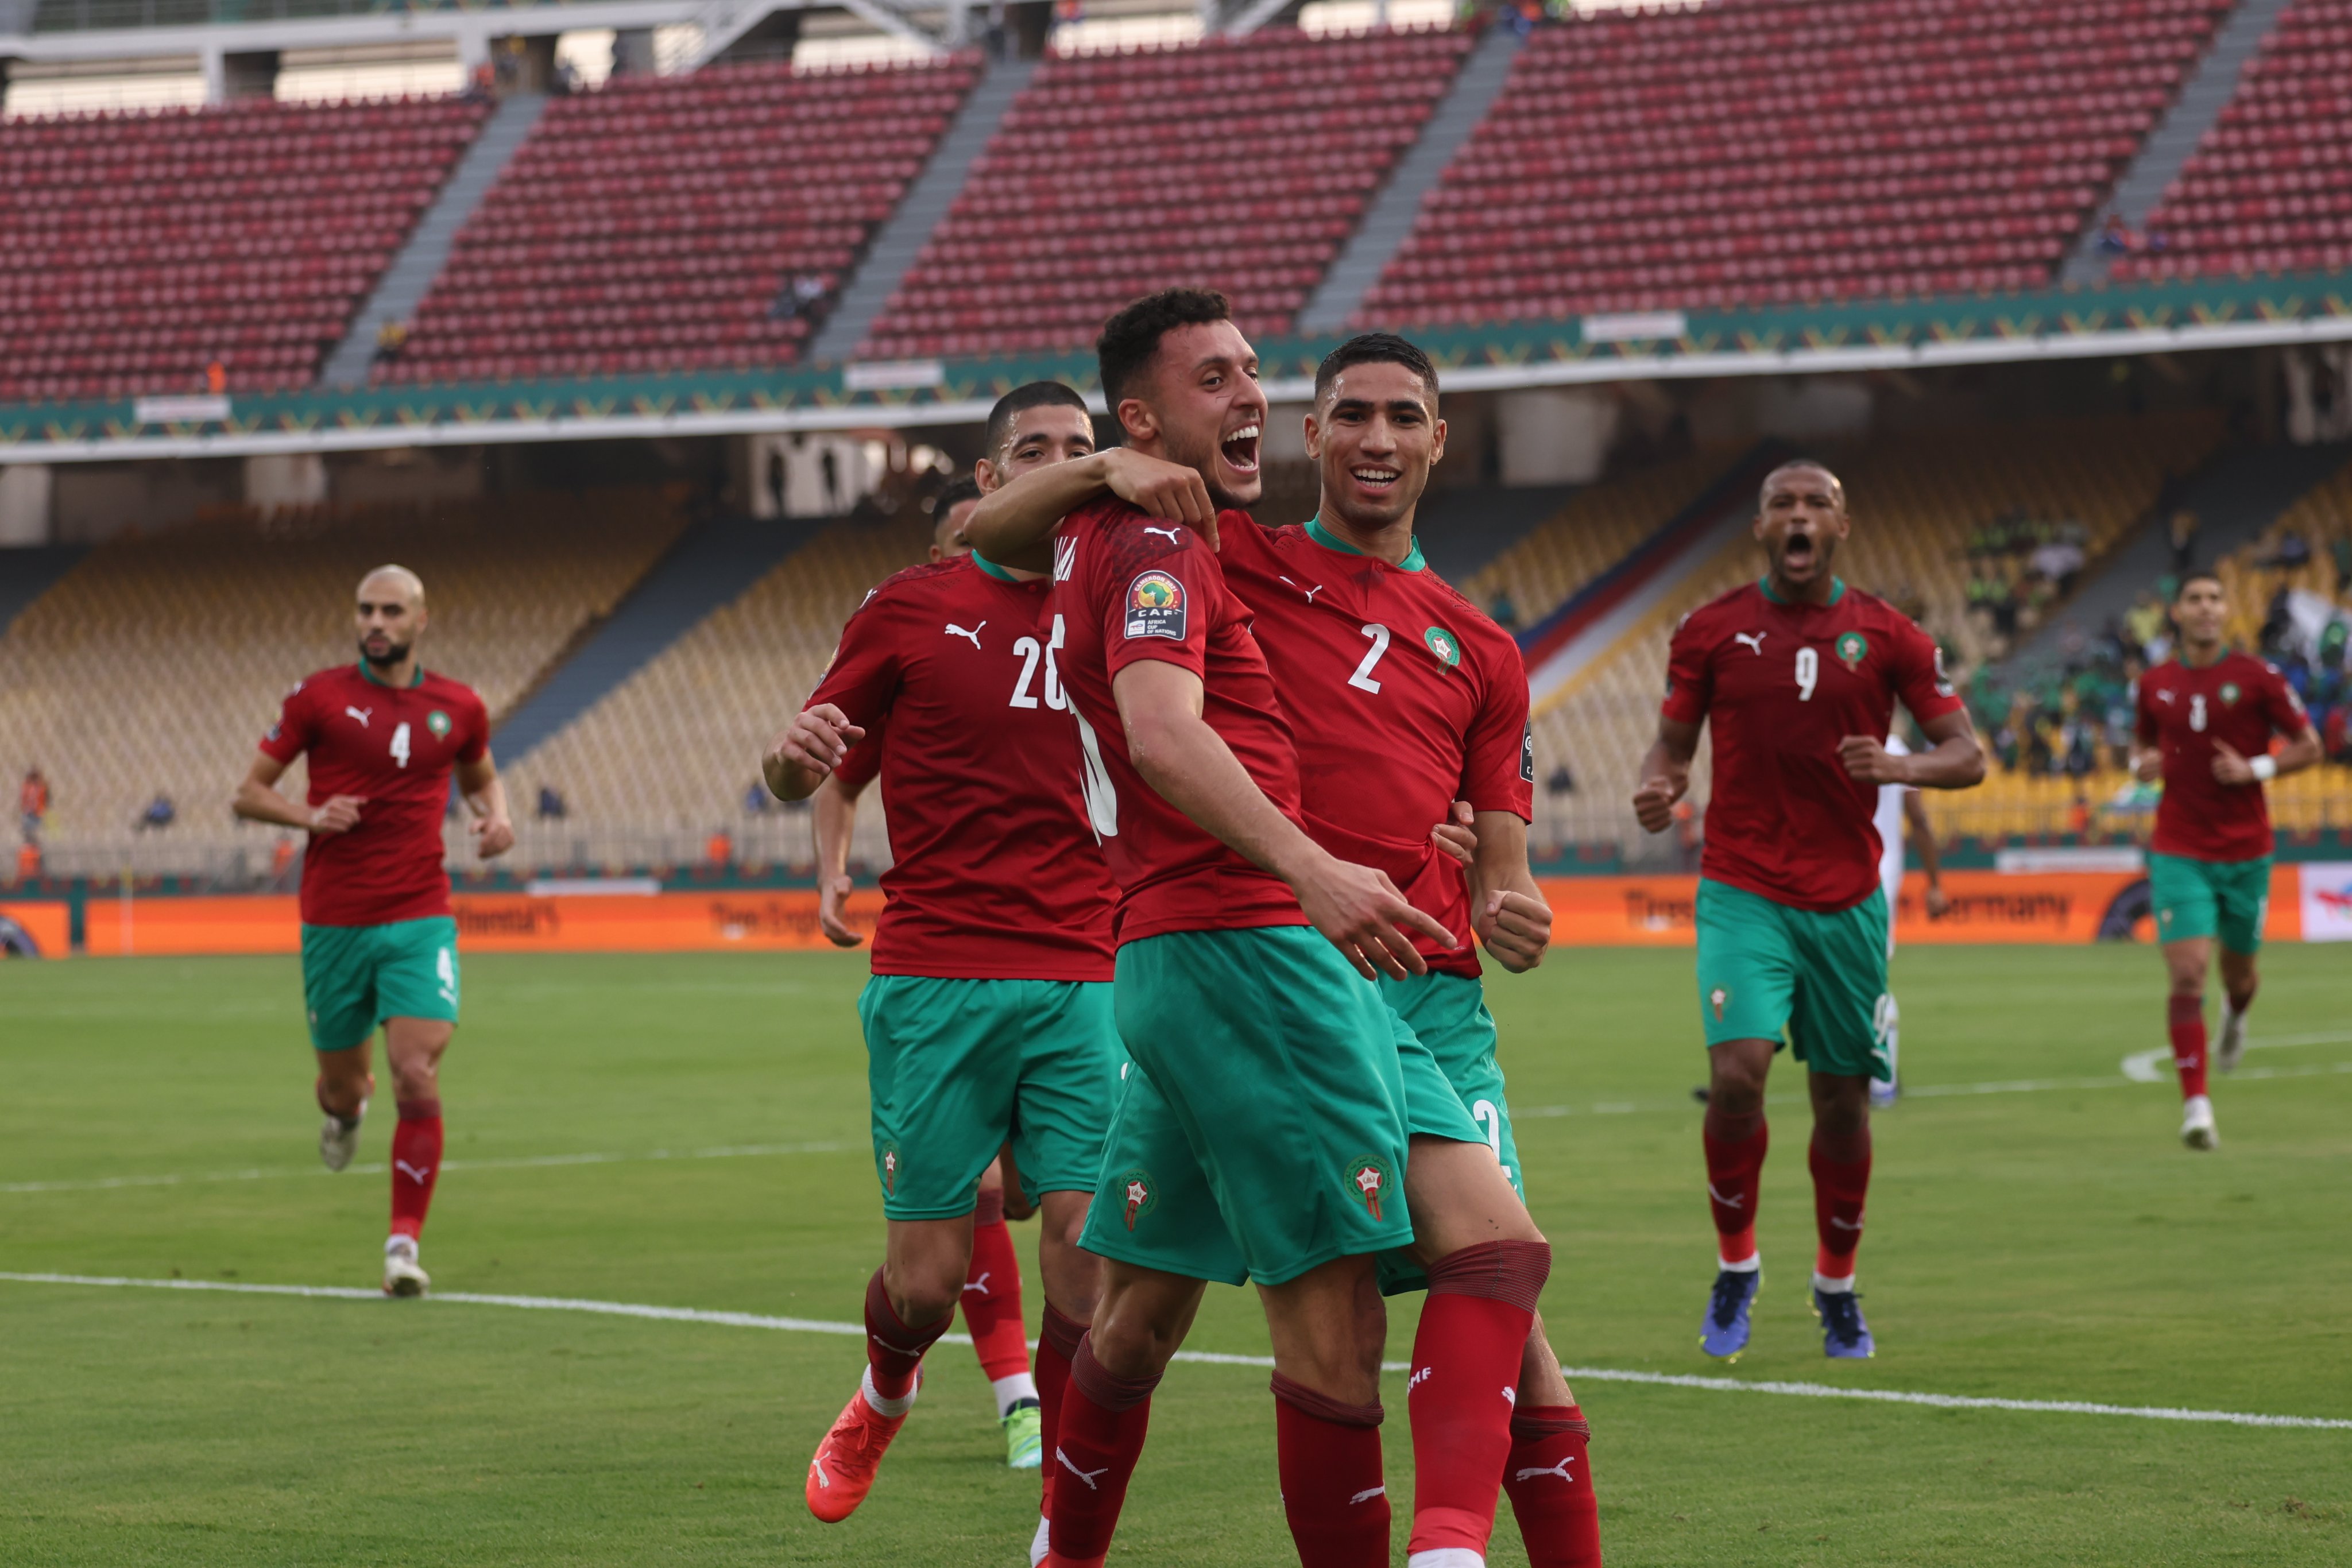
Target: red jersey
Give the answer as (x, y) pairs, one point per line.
(1403, 699)
(395, 747)
(994, 875)
(2237, 699)
(1781, 686)
(1129, 587)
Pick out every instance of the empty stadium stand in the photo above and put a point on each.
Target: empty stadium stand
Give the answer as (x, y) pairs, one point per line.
(2270, 187)
(1243, 164)
(675, 222)
(1915, 498)
(137, 250)
(1648, 161)
(675, 748)
(157, 662)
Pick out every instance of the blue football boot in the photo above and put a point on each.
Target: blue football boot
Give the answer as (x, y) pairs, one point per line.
(1724, 1334)
(1845, 1336)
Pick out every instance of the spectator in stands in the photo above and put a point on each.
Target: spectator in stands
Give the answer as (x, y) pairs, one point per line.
(2184, 542)
(2116, 237)
(217, 378)
(756, 798)
(391, 336)
(1561, 782)
(718, 852)
(33, 804)
(28, 862)
(2292, 552)
(2058, 561)
(2143, 623)
(551, 808)
(160, 812)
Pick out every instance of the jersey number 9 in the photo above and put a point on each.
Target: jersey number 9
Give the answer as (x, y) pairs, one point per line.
(1809, 673)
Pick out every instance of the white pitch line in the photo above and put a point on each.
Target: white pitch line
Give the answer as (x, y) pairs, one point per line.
(2146, 1066)
(1216, 1358)
(534, 1162)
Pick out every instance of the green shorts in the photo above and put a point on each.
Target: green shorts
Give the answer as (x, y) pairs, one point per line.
(957, 1067)
(1261, 1128)
(2230, 899)
(355, 977)
(1447, 1017)
(1768, 972)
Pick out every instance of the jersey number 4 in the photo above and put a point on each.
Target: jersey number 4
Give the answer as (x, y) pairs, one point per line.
(400, 743)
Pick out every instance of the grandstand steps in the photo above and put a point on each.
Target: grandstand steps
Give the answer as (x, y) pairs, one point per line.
(2203, 96)
(2242, 491)
(900, 240)
(1390, 218)
(1617, 603)
(26, 574)
(711, 563)
(1460, 531)
(404, 284)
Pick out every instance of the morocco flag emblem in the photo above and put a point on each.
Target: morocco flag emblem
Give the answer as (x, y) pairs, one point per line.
(1367, 1182)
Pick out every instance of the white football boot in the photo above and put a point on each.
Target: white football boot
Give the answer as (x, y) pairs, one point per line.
(402, 1277)
(2197, 1129)
(2232, 1043)
(1037, 1543)
(339, 1140)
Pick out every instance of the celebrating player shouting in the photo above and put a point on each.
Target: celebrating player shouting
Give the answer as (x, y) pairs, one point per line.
(1800, 676)
(1402, 698)
(2206, 719)
(1262, 1133)
(989, 1015)
(379, 942)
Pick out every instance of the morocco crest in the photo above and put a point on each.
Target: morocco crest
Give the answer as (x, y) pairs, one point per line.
(1140, 1195)
(1368, 1183)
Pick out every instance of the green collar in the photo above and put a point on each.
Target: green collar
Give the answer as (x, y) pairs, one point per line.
(1329, 540)
(367, 673)
(991, 568)
(2218, 658)
(1764, 587)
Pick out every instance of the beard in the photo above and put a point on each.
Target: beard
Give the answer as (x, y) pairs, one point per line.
(392, 656)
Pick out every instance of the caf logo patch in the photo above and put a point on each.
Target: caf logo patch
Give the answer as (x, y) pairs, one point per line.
(438, 723)
(891, 1166)
(1367, 1182)
(1138, 1193)
(1528, 753)
(1852, 648)
(1445, 646)
(1155, 606)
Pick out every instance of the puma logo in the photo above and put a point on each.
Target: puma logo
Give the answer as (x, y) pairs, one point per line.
(1175, 535)
(1309, 593)
(980, 1284)
(1559, 1469)
(419, 1176)
(1737, 1200)
(816, 1468)
(1752, 641)
(955, 630)
(1844, 1225)
(1366, 1495)
(1086, 1476)
(360, 714)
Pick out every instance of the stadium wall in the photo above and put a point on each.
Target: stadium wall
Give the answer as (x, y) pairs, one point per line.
(2310, 901)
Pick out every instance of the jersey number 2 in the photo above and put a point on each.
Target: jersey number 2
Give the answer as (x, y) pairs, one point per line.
(1362, 679)
(400, 744)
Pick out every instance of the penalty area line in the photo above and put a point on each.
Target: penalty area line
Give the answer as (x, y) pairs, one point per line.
(1214, 1358)
(524, 1163)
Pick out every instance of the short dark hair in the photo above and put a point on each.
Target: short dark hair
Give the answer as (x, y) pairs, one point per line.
(1764, 491)
(961, 489)
(1020, 400)
(1130, 338)
(1374, 348)
(2182, 586)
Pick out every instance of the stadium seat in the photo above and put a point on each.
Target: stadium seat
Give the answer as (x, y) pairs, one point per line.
(664, 223)
(138, 249)
(1643, 159)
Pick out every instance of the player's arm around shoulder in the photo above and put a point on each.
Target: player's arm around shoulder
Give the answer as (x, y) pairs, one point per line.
(1016, 516)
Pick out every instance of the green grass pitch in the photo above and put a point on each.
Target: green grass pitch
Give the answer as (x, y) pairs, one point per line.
(2051, 1240)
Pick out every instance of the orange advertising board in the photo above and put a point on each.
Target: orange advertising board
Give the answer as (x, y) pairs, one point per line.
(1587, 911)
(779, 920)
(48, 927)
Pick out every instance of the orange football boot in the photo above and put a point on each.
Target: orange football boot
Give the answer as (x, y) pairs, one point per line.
(842, 1471)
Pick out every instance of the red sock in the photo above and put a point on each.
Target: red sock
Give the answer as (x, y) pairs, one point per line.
(1057, 1342)
(1551, 1483)
(2187, 1017)
(1466, 1372)
(1103, 1422)
(893, 1350)
(1735, 1175)
(992, 1293)
(1841, 1167)
(416, 1163)
(1328, 1455)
